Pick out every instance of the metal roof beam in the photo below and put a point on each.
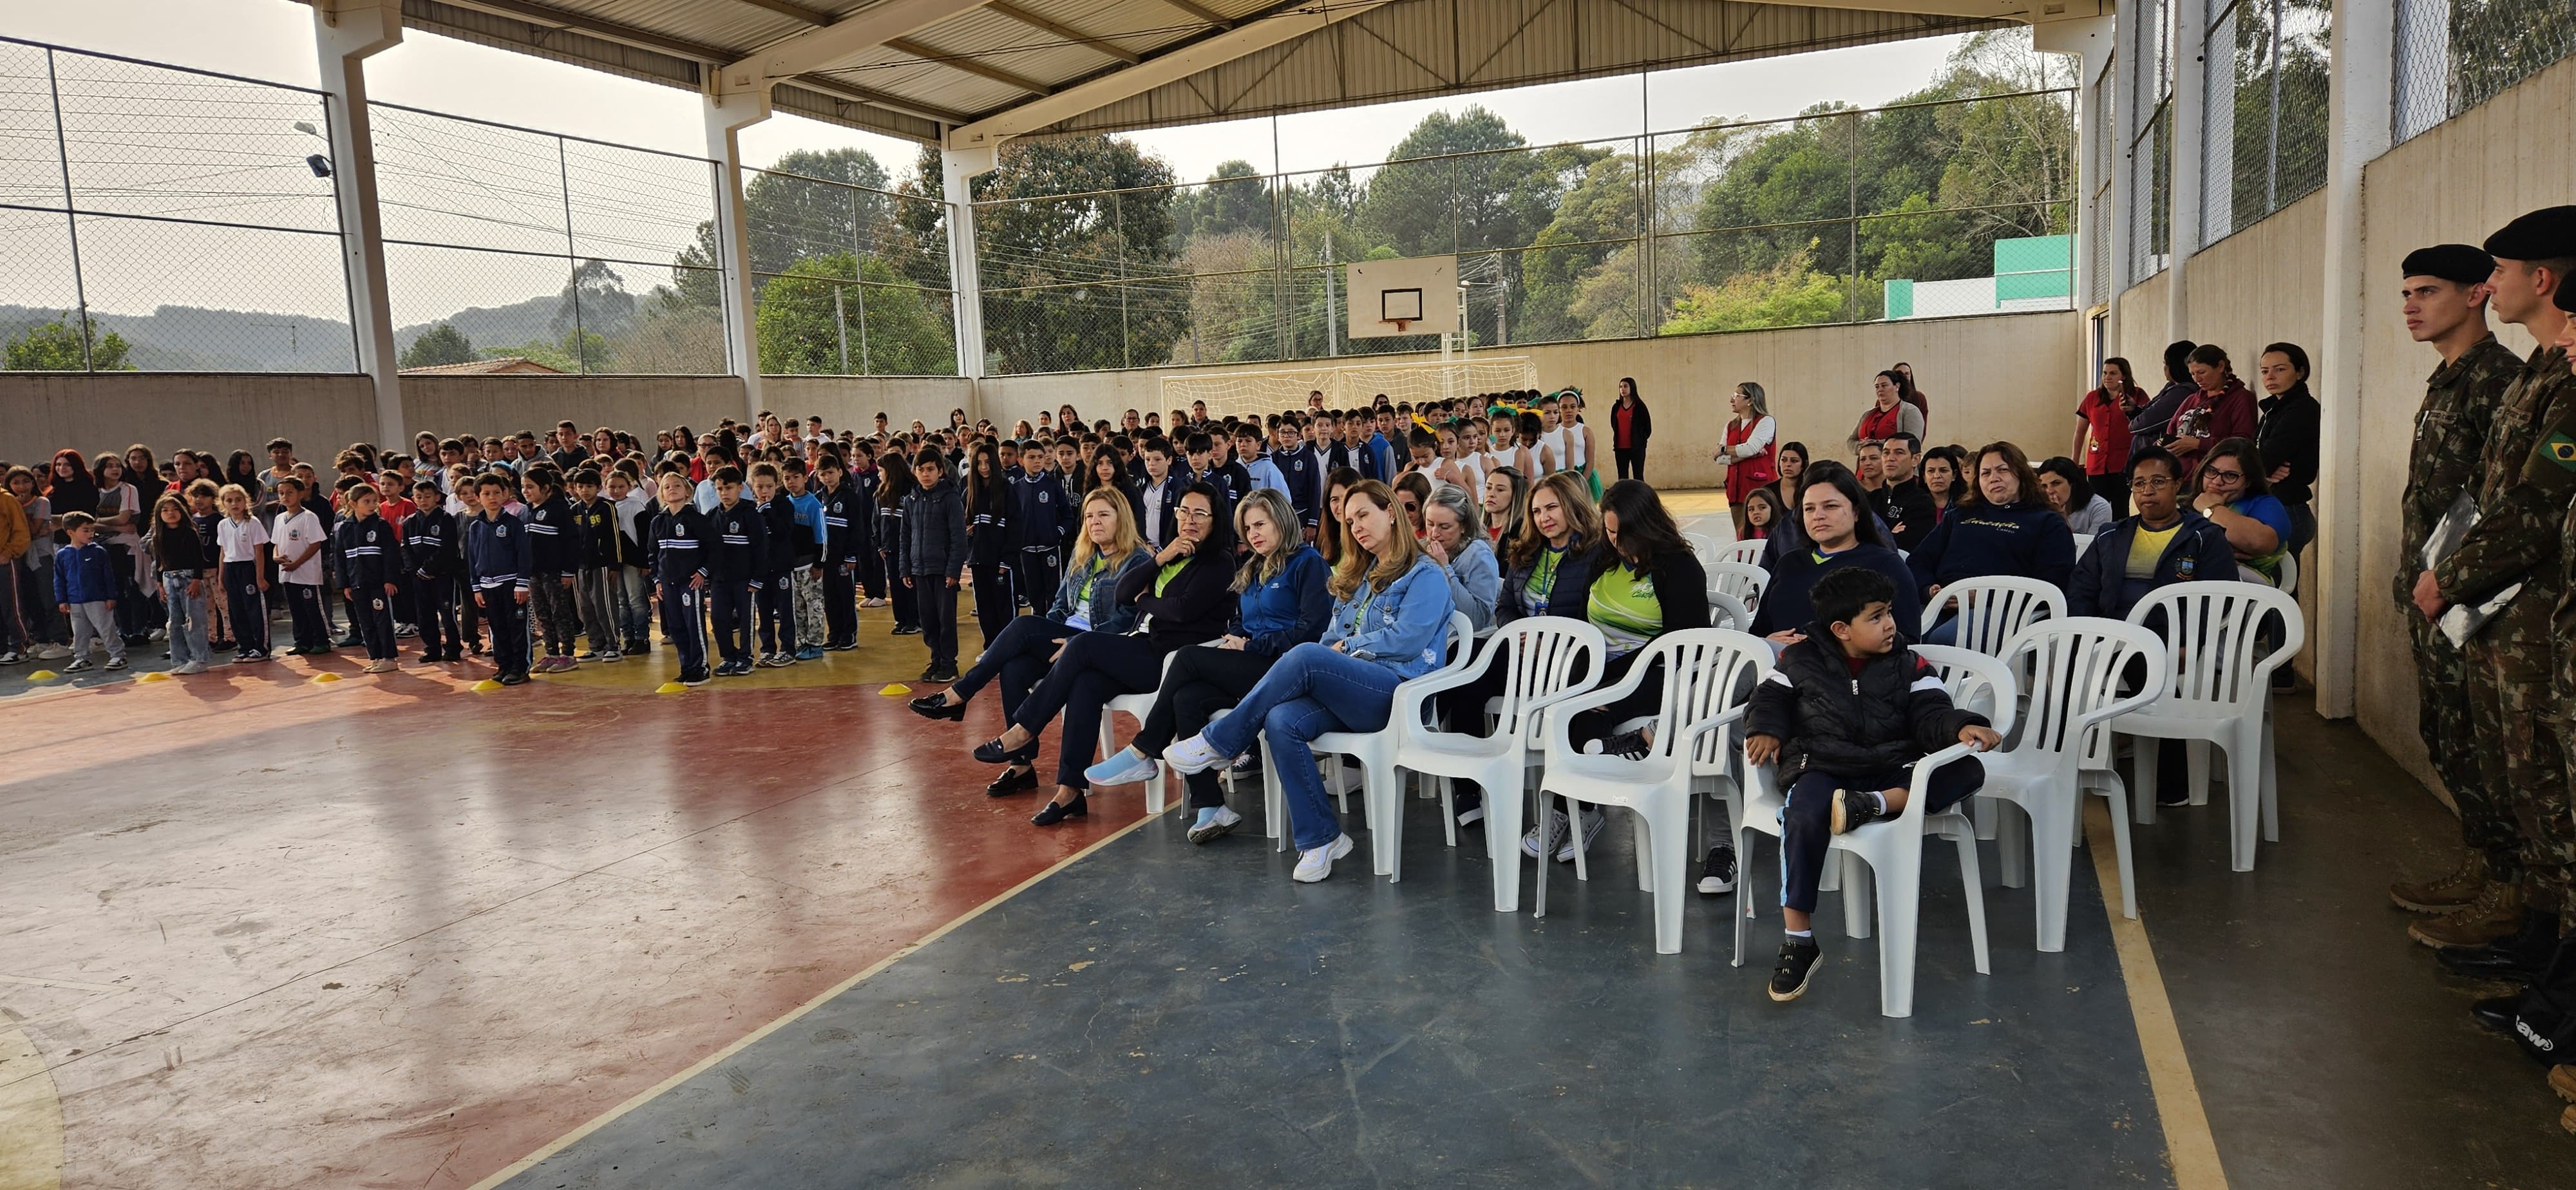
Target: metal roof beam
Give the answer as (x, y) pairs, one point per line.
(1067, 32)
(814, 49)
(1209, 15)
(827, 85)
(538, 14)
(1169, 66)
(785, 9)
(966, 62)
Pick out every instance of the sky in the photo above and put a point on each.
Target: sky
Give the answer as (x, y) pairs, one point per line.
(272, 40)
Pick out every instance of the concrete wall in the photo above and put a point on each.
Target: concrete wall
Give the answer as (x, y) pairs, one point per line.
(2000, 376)
(2456, 183)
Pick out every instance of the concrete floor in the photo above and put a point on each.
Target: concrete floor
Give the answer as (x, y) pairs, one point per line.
(257, 931)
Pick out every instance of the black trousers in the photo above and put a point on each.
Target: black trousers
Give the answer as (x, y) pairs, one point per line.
(1201, 682)
(994, 606)
(1018, 656)
(840, 604)
(906, 604)
(372, 614)
(730, 600)
(936, 604)
(312, 625)
(2115, 489)
(242, 603)
(435, 603)
(1601, 722)
(684, 621)
(1040, 572)
(777, 597)
(509, 621)
(1631, 461)
(872, 573)
(1095, 668)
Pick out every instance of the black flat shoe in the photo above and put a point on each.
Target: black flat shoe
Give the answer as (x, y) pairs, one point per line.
(992, 752)
(1054, 812)
(1013, 781)
(936, 706)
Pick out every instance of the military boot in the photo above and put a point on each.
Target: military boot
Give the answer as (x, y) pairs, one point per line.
(2448, 894)
(2496, 912)
(2525, 954)
(2562, 1079)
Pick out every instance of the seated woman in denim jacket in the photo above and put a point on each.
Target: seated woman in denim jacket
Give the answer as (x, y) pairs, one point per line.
(1390, 619)
(1084, 602)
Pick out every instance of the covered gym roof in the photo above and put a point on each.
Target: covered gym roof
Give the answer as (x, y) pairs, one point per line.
(981, 71)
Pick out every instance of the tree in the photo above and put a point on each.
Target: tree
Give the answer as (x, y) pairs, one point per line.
(56, 347)
(594, 300)
(441, 344)
(1469, 184)
(882, 327)
(806, 204)
(1236, 198)
(1790, 293)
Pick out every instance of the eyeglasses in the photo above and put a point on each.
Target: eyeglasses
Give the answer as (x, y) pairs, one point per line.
(1195, 514)
(2225, 476)
(2149, 483)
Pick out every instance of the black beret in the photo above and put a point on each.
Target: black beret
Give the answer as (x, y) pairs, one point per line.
(2565, 297)
(2458, 263)
(2546, 234)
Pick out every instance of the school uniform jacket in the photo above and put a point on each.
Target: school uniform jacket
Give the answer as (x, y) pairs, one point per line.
(368, 553)
(991, 544)
(934, 529)
(601, 544)
(890, 537)
(1169, 519)
(681, 544)
(741, 550)
(844, 525)
(1046, 514)
(497, 553)
(554, 541)
(431, 547)
(778, 527)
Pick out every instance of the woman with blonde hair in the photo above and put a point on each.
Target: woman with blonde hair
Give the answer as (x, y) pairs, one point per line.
(1506, 497)
(1107, 548)
(1748, 454)
(1280, 591)
(1389, 623)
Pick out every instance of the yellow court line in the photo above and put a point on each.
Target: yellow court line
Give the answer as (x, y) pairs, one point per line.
(2189, 1146)
(31, 1117)
(658, 1089)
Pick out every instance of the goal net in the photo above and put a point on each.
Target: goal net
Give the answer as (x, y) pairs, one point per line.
(1348, 386)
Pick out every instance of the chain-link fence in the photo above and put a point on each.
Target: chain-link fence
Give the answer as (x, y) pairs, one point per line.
(2150, 149)
(1954, 205)
(572, 255)
(2263, 116)
(161, 219)
(2453, 55)
(847, 279)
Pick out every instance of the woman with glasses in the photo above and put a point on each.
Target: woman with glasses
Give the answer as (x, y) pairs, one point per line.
(2163, 541)
(2233, 492)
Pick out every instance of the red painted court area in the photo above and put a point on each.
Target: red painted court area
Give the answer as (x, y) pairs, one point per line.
(390, 932)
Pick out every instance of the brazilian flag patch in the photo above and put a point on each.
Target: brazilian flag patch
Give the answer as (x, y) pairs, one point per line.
(2560, 449)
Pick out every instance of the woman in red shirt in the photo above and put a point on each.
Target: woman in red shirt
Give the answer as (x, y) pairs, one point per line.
(2222, 409)
(1630, 426)
(2102, 437)
(1749, 455)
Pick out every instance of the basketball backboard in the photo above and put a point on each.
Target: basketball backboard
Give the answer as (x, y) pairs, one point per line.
(1416, 296)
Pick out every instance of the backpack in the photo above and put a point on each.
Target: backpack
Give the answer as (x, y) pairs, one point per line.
(2544, 1024)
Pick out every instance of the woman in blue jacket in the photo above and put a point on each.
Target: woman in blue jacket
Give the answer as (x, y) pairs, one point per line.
(1282, 604)
(2009, 529)
(1454, 536)
(1389, 623)
(1019, 655)
(1840, 532)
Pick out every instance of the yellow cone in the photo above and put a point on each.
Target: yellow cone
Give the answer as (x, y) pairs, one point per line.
(154, 676)
(42, 675)
(896, 690)
(326, 677)
(670, 688)
(489, 684)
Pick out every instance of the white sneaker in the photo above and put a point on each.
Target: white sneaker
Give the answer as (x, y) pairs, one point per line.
(1195, 755)
(1532, 847)
(193, 667)
(1316, 864)
(1127, 766)
(50, 652)
(1592, 823)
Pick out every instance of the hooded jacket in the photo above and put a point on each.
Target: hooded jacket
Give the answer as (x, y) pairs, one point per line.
(1828, 719)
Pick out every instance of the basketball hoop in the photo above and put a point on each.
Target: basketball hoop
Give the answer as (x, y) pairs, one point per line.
(1397, 323)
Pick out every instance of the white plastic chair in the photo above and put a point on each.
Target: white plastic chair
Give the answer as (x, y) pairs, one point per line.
(1742, 581)
(1137, 706)
(1748, 553)
(1707, 549)
(1892, 859)
(2076, 665)
(1545, 660)
(1993, 609)
(2218, 689)
(1375, 750)
(1708, 676)
(1726, 611)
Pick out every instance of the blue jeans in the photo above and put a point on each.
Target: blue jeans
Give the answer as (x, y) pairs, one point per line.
(1311, 691)
(187, 618)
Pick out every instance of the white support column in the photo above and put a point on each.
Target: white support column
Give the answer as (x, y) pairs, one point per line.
(2089, 42)
(2358, 99)
(2189, 97)
(966, 287)
(2122, 82)
(727, 115)
(345, 34)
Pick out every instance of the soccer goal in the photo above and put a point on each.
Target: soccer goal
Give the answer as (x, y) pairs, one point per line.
(1348, 386)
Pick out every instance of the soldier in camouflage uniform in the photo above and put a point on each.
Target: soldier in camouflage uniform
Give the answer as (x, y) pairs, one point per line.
(2512, 929)
(2445, 303)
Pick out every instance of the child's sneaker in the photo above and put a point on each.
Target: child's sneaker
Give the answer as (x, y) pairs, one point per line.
(877, 602)
(1856, 808)
(385, 666)
(907, 630)
(611, 657)
(10, 657)
(193, 667)
(1593, 820)
(513, 679)
(1717, 873)
(566, 665)
(78, 665)
(810, 653)
(1797, 964)
(586, 655)
(775, 660)
(116, 663)
(693, 677)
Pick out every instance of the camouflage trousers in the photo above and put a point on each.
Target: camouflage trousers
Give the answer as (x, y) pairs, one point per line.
(2442, 717)
(2514, 717)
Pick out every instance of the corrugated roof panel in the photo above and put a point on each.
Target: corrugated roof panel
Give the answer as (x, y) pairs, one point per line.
(1137, 25)
(791, 98)
(724, 23)
(510, 33)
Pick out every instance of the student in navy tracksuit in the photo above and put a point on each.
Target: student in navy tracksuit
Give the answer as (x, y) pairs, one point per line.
(1302, 468)
(845, 542)
(894, 482)
(497, 564)
(774, 586)
(865, 477)
(1044, 519)
(433, 553)
(991, 547)
(741, 550)
(681, 543)
(555, 552)
(369, 568)
(934, 526)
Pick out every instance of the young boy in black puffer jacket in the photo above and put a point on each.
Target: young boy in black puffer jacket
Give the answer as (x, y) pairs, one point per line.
(1846, 714)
